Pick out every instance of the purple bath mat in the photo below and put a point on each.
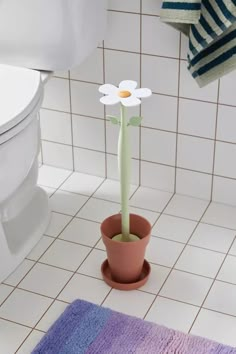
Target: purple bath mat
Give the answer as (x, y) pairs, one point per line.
(91, 329)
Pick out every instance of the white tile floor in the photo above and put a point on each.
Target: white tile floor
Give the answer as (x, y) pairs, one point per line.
(192, 286)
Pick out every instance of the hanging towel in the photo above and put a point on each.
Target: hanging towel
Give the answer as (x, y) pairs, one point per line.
(211, 28)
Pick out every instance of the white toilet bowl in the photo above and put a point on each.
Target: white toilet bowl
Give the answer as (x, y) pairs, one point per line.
(24, 209)
(42, 35)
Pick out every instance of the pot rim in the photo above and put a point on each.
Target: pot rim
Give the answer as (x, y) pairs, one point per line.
(147, 235)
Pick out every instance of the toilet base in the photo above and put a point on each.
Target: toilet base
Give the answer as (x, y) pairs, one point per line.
(19, 235)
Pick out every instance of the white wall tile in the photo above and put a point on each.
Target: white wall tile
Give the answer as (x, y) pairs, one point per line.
(189, 88)
(89, 161)
(228, 88)
(55, 126)
(151, 7)
(159, 71)
(56, 95)
(63, 74)
(121, 66)
(91, 69)
(225, 157)
(197, 118)
(224, 190)
(157, 176)
(88, 133)
(158, 38)
(112, 136)
(85, 99)
(226, 124)
(157, 78)
(124, 5)
(160, 112)
(57, 155)
(195, 153)
(112, 169)
(193, 183)
(184, 47)
(158, 146)
(124, 31)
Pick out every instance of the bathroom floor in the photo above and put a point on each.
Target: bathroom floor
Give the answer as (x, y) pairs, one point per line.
(192, 286)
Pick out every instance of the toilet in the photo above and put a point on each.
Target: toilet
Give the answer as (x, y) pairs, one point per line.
(25, 67)
(24, 207)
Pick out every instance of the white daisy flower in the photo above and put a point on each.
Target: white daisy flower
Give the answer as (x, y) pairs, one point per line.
(126, 93)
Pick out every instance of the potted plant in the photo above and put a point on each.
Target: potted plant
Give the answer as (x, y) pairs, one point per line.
(125, 235)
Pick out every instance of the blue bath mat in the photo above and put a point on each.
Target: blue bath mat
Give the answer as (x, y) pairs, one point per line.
(85, 328)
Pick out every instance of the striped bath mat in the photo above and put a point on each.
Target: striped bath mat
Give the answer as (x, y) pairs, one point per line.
(91, 329)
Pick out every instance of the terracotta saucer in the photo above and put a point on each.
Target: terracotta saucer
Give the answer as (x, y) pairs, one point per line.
(121, 286)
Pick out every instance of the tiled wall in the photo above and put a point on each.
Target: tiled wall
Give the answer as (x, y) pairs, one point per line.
(187, 141)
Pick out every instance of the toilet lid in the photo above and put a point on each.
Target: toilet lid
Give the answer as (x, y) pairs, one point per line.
(20, 90)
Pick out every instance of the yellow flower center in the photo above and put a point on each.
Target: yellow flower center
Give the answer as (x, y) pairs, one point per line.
(124, 94)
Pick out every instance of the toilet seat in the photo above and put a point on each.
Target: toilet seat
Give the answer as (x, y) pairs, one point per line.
(20, 126)
(21, 93)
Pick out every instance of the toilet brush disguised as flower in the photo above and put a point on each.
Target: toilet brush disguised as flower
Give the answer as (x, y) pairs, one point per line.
(125, 235)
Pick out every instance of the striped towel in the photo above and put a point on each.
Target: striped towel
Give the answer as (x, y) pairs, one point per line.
(211, 28)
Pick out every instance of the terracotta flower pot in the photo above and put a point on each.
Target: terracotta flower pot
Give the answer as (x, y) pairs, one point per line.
(126, 259)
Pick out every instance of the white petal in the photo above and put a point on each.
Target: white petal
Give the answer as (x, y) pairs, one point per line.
(128, 85)
(108, 89)
(130, 101)
(110, 99)
(142, 92)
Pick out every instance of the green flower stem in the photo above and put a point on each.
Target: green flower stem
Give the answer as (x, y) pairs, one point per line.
(124, 158)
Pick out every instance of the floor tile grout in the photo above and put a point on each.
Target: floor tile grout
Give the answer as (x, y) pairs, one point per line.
(73, 273)
(175, 261)
(214, 280)
(95, 247)
(41, 256)
(148, 210)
